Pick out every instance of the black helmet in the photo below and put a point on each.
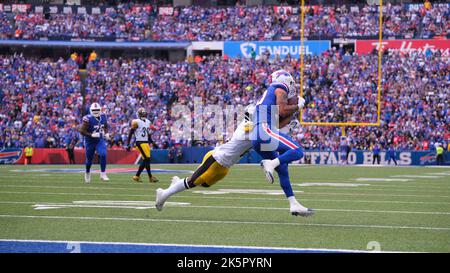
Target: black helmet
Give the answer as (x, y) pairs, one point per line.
(142, 113)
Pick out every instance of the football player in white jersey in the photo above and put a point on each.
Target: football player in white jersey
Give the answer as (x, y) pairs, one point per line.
(140, 128)
(216, 163)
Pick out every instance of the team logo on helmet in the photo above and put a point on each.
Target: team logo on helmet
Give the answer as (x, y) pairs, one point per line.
(142, 113)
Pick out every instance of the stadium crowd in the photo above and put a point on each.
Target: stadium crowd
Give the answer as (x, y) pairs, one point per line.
(124, 22)
(42, 101)
(136, 23)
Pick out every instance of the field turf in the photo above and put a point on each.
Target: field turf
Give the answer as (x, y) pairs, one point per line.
(357, 208)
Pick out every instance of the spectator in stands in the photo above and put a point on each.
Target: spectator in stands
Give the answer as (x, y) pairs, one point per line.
(171, 154)
(42, 99)
(241, 23)
(179, 154)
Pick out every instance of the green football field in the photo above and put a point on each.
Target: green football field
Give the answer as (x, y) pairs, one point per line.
(357, 208)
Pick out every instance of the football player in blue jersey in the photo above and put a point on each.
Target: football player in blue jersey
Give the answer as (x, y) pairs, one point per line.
(276, 148)
(94, 128)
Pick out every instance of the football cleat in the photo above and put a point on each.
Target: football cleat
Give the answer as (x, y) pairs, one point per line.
(136, 178)
(153, 179)
(87, 177)
(299, 210)
(160, 199)
(104, 177)
(268, 170)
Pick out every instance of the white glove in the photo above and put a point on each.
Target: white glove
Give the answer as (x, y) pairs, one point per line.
(107, 136)
(95, 135)
(301, 102)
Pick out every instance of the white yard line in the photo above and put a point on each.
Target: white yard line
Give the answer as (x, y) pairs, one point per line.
(152, 194)
(447, 174)
(417, 176)
(281, 199)
(84, 187)
(150, 205)
(85, 218)
(88, 187)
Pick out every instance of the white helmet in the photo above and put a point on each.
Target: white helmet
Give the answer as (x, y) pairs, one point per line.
(95, 109)
(283, 77)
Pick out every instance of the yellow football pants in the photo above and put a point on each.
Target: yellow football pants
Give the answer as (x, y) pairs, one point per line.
(209, 173)
(144, 149)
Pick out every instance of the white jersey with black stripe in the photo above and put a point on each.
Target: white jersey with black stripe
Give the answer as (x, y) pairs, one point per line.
(231, 152)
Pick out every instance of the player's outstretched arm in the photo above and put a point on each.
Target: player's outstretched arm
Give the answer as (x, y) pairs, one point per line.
(286, 110)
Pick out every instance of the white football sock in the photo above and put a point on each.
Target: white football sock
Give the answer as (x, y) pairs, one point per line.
(175, 187)
(292, 200)
(275, 163)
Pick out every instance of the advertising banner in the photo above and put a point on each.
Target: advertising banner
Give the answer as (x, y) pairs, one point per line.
(415, 7)
(195, 156)
(281, 48)
(406, 158)
(165, 10)
(20, 7)
(406, 46)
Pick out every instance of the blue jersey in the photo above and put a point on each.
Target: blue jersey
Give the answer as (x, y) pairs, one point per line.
(95, 126)
(391, 152)
(376, 150)
(343, 147)
(263, 111)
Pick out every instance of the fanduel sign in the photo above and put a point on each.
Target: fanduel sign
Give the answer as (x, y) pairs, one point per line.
(275, 48)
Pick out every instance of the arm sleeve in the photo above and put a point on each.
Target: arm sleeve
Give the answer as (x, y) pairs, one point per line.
(133, 128)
